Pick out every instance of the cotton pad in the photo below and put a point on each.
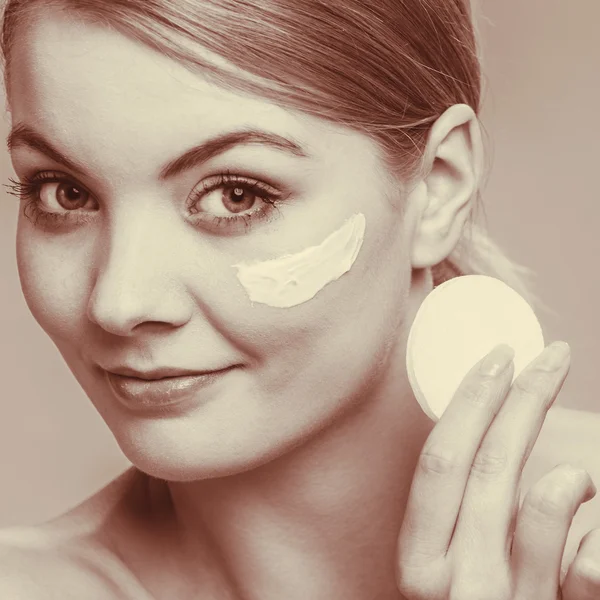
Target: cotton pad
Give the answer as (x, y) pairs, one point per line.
(457, 324)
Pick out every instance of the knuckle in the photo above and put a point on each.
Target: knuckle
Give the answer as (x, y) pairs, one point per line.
(586, 565)
(418, 584)
(549, 499)
(478, 393)
(473, 595)
(587, 569)
(438, 459)
(590, 542)
(418, 590)
(491, 461)
(531, 382)
(479, 590)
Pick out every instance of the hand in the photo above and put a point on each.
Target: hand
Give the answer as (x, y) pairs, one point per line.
(464, 535)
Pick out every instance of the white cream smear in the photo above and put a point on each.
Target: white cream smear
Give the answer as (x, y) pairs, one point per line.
(296, 278)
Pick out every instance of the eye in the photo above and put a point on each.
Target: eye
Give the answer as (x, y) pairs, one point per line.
(227, 201)
(53, 201)
(233, 204)
(230, 195)
(66, 195)
(50, 192)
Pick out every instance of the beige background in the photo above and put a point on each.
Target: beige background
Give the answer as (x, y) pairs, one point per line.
(541, 111)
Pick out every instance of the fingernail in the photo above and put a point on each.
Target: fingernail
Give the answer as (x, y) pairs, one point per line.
(584, 478)
(590, 492)
(554, 356)
(579, 477)
(497, 360)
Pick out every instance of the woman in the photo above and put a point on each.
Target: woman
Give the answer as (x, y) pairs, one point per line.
(175, 159)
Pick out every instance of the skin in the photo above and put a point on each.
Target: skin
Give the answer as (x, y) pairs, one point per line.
(278, 478)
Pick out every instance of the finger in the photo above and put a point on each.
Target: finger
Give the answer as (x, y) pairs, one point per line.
(443, 468)
(541, 531)
(484, 524)
(582, 581)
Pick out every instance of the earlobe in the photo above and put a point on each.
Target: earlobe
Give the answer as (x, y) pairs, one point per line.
(454, 154)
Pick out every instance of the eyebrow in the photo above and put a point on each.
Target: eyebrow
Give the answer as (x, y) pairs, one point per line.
(23, 135)
(219, 144)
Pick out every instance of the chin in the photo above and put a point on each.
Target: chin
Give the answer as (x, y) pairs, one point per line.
(195, 453)
(178, 471)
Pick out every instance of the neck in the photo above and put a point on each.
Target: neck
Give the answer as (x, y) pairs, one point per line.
(321, 521)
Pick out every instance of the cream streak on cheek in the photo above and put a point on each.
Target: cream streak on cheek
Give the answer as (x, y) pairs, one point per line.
(296, 278)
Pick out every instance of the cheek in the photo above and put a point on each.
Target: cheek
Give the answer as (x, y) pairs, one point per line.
(53, 285)
(296, 278)
(340, 335)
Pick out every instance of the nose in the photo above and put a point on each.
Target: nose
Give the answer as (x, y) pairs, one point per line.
(136, 280)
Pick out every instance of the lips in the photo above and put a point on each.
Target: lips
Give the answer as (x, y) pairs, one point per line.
(157, 373)
(161, 391)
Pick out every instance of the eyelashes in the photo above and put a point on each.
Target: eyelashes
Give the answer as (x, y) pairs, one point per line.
(232, 213)
(268, 196)
(29, 189)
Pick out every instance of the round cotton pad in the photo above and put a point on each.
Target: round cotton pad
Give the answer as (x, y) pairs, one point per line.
(457, 324)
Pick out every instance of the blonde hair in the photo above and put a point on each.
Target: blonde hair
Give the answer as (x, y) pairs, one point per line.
(388, 69)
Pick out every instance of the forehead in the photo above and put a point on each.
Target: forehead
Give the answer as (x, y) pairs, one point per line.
(76, 64)
(74, 75)
(117, 104)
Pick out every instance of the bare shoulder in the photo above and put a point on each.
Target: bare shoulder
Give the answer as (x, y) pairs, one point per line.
(67, 558)
(573, 437)
(30, 566)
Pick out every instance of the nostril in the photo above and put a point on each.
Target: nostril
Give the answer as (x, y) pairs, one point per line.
(124, 314)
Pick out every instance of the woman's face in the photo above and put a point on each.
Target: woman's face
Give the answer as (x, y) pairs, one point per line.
(128, 266)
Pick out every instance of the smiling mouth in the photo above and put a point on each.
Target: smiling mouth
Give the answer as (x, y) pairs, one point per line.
(141, 393)
(151, 378)
(162, 373)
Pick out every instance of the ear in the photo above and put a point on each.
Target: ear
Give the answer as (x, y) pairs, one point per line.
(443, 197)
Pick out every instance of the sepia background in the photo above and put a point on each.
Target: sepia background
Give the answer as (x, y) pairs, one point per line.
(541, 201)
